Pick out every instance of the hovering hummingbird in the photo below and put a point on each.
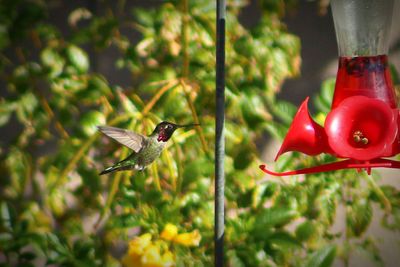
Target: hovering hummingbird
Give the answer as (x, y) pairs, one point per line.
(146, 149)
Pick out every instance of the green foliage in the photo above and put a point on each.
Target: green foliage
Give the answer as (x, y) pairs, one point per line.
(56, 209)
(322, 257)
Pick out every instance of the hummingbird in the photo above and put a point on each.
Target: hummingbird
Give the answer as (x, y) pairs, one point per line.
(146, 149)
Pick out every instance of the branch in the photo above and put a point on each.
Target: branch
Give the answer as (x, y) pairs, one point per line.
(157, 96)
(195, 116)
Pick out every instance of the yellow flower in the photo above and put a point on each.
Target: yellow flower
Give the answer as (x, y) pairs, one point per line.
(168, 259)
(151, 257)
(143, 252)
(169, 232)
(131, 260)
(188, 239)
(138, 245)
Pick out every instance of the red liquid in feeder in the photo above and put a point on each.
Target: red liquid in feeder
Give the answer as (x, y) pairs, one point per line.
(367, 76)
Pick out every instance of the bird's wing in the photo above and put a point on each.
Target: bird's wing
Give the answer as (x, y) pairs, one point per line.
(130, 139)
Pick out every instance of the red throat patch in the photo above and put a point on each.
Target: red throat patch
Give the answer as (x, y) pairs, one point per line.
(161, 137)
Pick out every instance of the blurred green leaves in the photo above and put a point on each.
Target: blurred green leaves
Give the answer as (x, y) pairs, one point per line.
(323, 257)
(78, 58)
(52, 61)
(359, 216)
(90, 121)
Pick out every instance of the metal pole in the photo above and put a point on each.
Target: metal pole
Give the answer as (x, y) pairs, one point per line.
(219, 136)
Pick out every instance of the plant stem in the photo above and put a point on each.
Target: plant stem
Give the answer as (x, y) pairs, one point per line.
(50, 113)
(27, 159)
(185, 38)
(179, 156)
(195, 116)
(35, 39)
(185, 70)
(157, 96)
(71, 164)
(168, 157)
(20, 54)
(154, 169)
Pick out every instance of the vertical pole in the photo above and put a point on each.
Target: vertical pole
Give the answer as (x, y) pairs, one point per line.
(219, 136)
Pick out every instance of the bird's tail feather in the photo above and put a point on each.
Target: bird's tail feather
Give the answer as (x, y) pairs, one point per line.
(114, 168)
(108, 170)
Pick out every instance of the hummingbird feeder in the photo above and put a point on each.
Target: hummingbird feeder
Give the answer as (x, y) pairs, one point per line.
(363, 125)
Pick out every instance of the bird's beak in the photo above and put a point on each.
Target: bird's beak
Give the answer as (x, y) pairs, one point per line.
(187, 125)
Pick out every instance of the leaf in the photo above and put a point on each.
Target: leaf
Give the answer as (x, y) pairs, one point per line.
(305, 231)
(57, 244)
(56, 201)
(96, 87)
(174, 104)
(47, 31)
(359, 216)
(126, 221)
(16, 164)
(196, 169)
(323, 257)
(275, 217)
(53, 61)
(276, 130)
(102, 30)
(5, 238)
(243, 157)
(233, 259)
(325, 205)
(323, 101)
(26, 105)
(90, 121)
(285, 161)
(258, 194)
(321, 105)
(82, 248)
(77, 15)
(285, 111)
(7, 219)
(90, 178)
(144, 17)
(78, 58)
(327, 90)
(253, 110)
(284, 241)
(6, 108)
(128, 105)
(395, 75)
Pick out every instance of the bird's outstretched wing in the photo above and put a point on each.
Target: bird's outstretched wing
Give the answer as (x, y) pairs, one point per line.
(127, 138)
